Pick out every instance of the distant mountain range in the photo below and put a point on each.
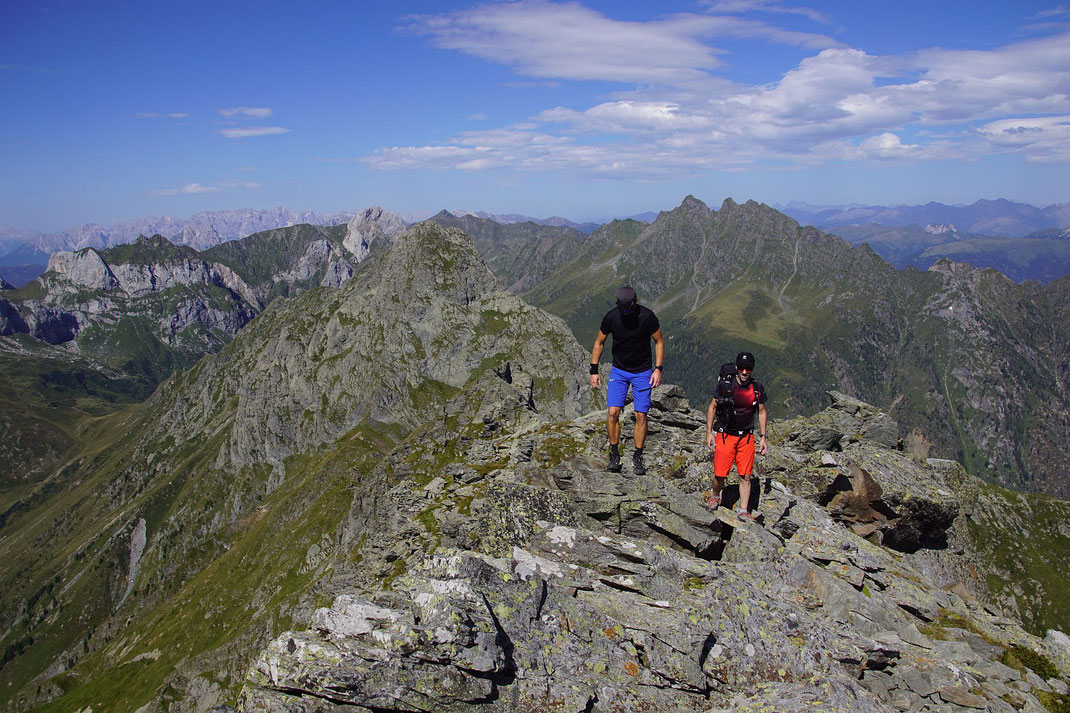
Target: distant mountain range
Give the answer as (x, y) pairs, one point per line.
(200, 231)
(24, 254)
(984, 217)
(982, 234)
(1042, 256)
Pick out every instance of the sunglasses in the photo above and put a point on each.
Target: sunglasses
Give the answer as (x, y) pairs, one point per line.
(743, 370)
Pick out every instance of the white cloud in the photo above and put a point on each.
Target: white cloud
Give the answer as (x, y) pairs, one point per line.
(742, 6)
(477, 117)
(186, 190)
(195, 188)
(1059, 11)
(1042, 139)
(569, 41)
(253, 131)
(157, 115)
(178, 115)
(256, 112)
(837, 104)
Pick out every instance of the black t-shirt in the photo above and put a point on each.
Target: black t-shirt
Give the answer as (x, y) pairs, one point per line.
(631, 337)
(745, 400)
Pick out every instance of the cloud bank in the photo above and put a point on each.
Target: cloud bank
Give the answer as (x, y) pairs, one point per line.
(675, 115)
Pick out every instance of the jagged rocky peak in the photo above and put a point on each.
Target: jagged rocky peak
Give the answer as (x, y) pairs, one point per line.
(691, 209)
(84, 268)
(940, 228)
(554, 585)
(5, 285)
(372, 223)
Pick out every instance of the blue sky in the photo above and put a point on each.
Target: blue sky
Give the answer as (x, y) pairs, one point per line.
(116, 110)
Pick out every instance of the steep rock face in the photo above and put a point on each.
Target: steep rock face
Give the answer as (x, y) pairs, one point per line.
(371, 224)
(523, 577)
(11, 321)
(84, 269)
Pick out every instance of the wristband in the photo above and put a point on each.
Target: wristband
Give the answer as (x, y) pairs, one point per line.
(762, 435)
(594, 368)
(658, 368)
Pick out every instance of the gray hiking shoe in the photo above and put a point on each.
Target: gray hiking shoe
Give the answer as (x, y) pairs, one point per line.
(637, 463)
(614, 462)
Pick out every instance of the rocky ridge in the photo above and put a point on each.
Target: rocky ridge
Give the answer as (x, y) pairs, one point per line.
(530, 579)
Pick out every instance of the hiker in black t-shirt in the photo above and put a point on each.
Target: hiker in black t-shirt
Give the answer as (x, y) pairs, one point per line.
(632, 327)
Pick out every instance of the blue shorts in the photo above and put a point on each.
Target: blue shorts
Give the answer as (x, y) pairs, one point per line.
(620, 380)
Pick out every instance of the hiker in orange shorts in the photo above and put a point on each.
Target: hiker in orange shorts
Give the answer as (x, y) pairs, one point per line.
(730, 429)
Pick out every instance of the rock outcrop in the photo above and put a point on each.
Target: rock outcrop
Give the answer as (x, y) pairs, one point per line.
(373, 223)
(520, 576)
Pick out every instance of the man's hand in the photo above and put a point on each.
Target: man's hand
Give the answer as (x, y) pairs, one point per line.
(655, 378)
(710, 440)
(596, 381)
(763, 447)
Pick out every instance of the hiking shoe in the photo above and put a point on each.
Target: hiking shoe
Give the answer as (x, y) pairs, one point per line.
(746, 516)
(614, 463)
(637, 462)
(710, 500)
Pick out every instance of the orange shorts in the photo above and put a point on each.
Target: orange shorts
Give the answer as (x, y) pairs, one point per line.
(729, 449)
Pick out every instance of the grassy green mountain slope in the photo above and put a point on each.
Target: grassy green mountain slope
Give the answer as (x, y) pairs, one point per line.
(192, 527)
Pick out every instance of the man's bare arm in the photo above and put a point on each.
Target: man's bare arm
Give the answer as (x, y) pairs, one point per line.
(659, 356)
(596, 354)
(761, 429)
(711, 412)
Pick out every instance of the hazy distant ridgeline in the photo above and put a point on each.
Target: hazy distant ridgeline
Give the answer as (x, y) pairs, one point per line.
(1043, 255)
(985, 217)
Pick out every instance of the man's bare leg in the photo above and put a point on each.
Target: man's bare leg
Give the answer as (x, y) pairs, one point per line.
(640, 429)
(613, 431)
(744, 493)
(613, 425)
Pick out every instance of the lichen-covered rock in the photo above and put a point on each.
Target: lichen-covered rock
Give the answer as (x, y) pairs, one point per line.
(552, 584)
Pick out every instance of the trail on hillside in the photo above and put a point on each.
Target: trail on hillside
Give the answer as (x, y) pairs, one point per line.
(794, 272)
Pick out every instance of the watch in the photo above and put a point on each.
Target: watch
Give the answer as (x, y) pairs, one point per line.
(658, 368)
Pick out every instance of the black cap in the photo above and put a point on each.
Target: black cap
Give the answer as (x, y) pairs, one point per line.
(745, 360)
(626, 296)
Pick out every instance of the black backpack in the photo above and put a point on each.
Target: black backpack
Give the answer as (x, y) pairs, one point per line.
(726, 411)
